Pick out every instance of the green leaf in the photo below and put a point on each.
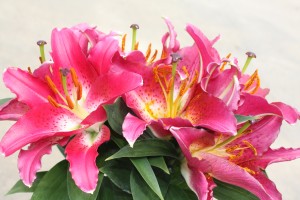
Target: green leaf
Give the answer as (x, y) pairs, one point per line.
(115, 114)
(3, 101)
(53, 185)
(108, 191)
(177, 193)
(118, 173)
(139, 188)
(160, 163)
(147, 147)
(242, 118)
(20, 187)
(225, 191)
(77, 194)
(144, 168)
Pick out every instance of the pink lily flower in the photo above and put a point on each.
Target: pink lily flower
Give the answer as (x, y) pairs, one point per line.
(62, 103)
(238, 160)
(171, 93)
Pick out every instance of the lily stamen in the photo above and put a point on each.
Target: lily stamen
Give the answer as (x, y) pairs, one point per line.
(153, 56)
(224, 63)
(29, 70)
(74, 77)
(79, 92)
(148, 52)
(70, 102)
(53, 102)
(134, 31)
(136, 46)
(123, 42)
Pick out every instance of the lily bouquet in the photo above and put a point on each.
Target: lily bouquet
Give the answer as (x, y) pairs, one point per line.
(180, 123)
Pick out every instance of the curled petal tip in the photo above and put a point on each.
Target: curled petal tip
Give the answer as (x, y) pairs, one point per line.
(251, 54)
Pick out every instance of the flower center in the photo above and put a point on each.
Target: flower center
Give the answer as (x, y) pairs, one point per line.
(70, 101)
(174, 89)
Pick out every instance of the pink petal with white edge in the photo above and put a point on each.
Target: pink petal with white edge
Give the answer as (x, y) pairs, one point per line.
(101, 55)
(210, 112)
(29, 89)
(29, 161)
(277, 155)
(38, 123)
(197, 181)
(13, 110)
(82, 153)
(133, 127)
(110, 86)
(289, 113)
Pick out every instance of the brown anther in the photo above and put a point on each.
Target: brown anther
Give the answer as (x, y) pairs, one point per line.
(134, 26)
(74, 77)
(52, 102)
(41, 42)
(123, 42)
(153, 57)
(51, 84)
(163, 54)
(136, 46)
(79, 91)
(176, 57)
(251, 54)
(148, 52)
(41, 60)
(70, 102)
(64, 72)
(29, 70)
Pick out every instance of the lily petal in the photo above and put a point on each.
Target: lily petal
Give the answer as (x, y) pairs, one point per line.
(29, 161)
(256, 105)
(289, 113)
(37, 124)
(101, 55)
(269, 186)
(81, 153)
(263, 134)
(277, 155)
(197, 181)
(207, 52)
(29, 89)
(228, 172)
(13, 110)
(133, 127)
(67, 53)
(110, 86)
(210, 112)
